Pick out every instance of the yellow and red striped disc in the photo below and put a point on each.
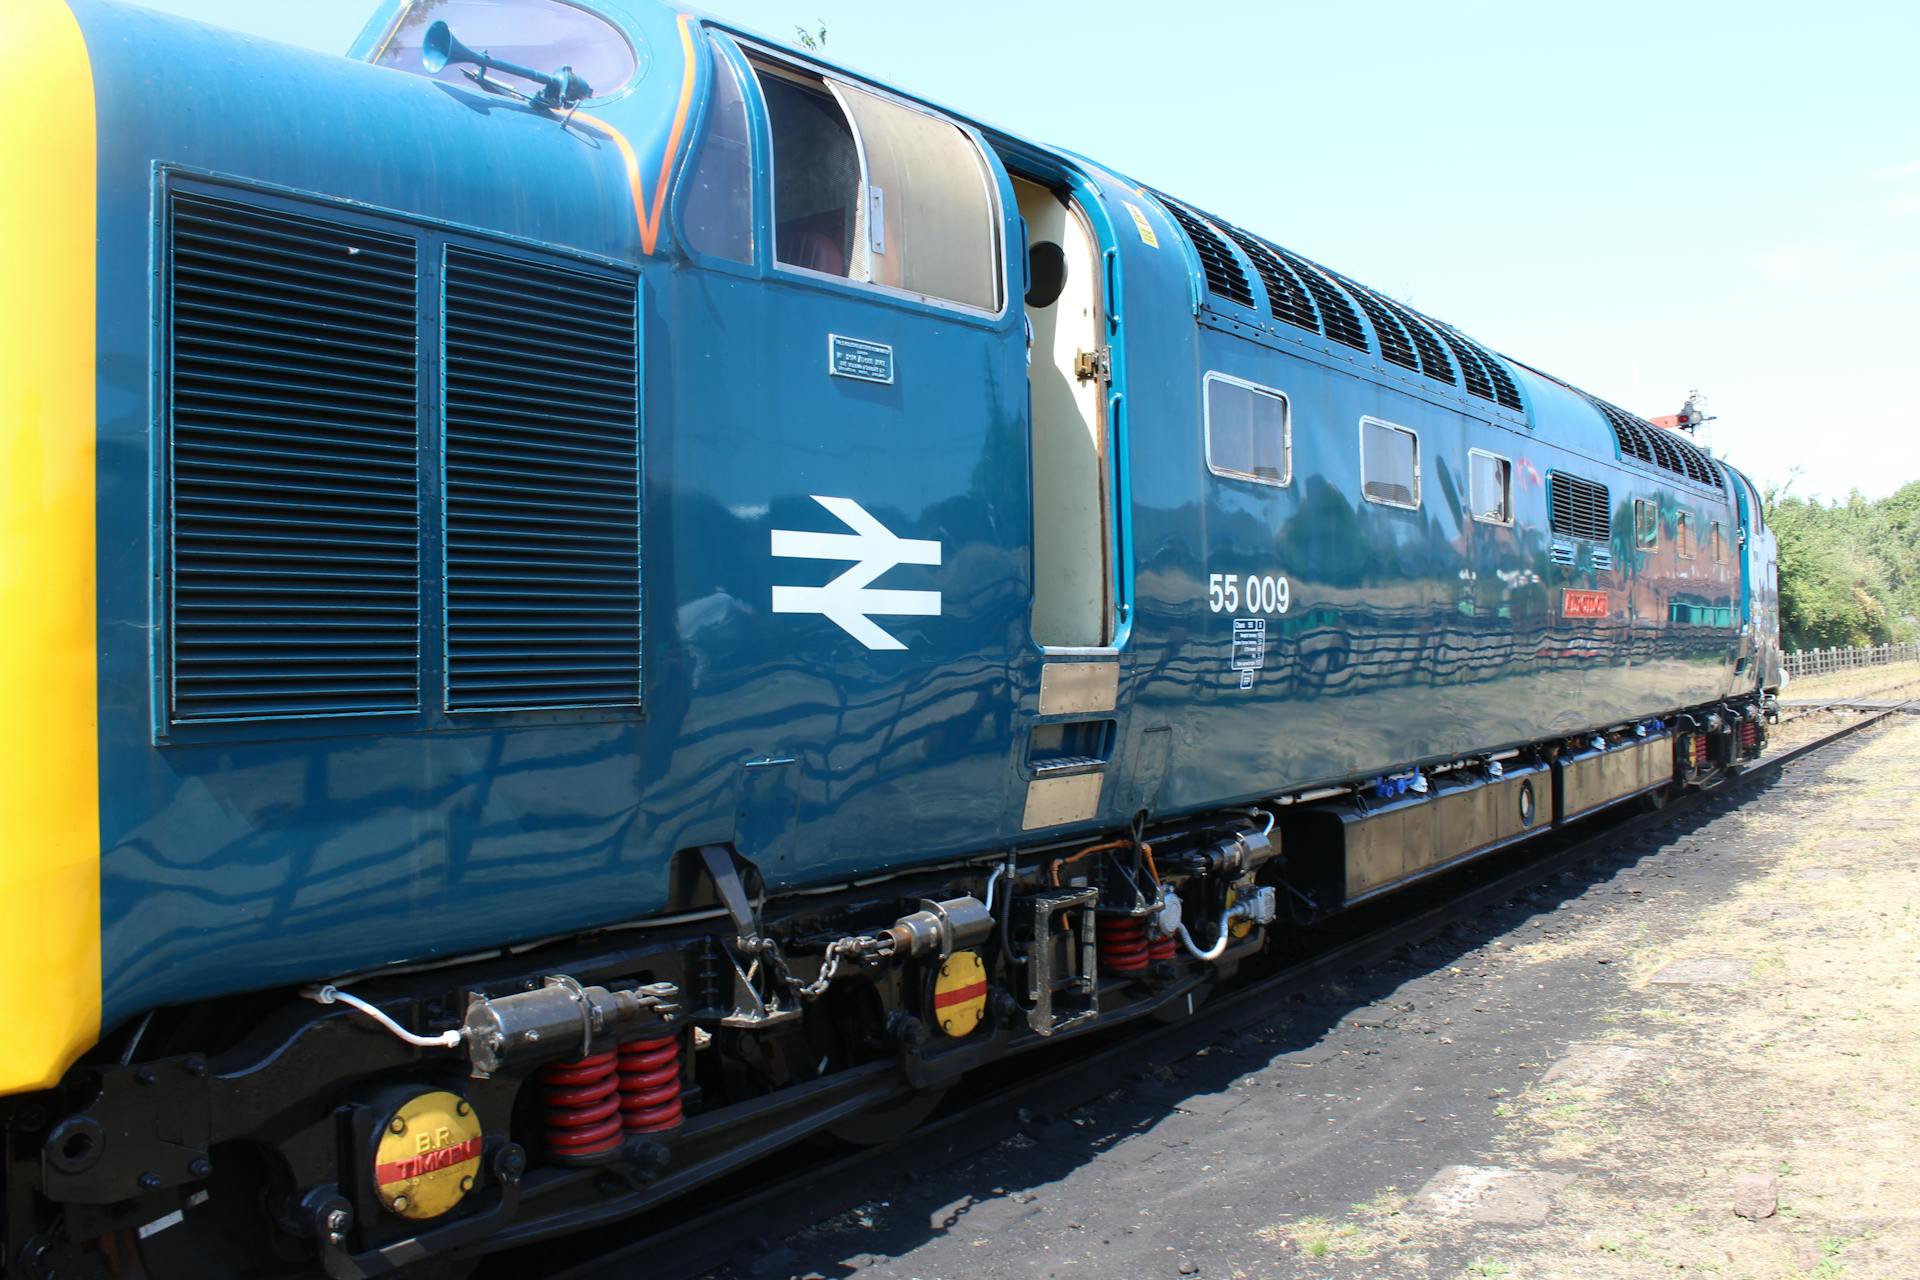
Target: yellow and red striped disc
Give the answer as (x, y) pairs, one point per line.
(429, 1155)
(960, 994)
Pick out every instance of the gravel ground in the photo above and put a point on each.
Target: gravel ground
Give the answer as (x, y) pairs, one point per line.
(1596, 1081)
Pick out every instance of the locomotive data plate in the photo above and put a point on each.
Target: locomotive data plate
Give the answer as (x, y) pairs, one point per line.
(1584, 604)
(859, 359)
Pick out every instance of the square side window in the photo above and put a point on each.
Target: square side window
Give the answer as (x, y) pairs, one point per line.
(1646, 524)
(1249, 434)
(1389, 464)
(1490, 481)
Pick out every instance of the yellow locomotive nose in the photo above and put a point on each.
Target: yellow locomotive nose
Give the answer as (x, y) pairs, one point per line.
(49, 776)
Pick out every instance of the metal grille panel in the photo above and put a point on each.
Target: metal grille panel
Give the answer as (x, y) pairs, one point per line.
(293, 409)
(1579, 508)
(1225, 279)
(1433, 359)
(1395, 345)
(1471, 369)
(1287, 297)
(542, 485)
(1505, 390)
(1341, 322)
(1664, 449)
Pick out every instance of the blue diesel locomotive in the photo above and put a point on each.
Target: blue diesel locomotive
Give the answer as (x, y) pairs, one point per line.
(587, 594)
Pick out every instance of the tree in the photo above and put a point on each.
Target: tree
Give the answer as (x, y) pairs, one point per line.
(1850, 570)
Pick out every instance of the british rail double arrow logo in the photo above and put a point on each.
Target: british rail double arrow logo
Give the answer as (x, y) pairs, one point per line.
(848, 601)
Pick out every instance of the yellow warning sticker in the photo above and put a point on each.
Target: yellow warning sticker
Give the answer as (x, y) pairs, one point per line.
(1147, 237)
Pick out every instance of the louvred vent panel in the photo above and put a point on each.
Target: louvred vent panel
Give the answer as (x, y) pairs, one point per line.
(1395, 346)
(1472, 371)
(542, 485)
(1578, 508)
(1339, 321)
(1505, 390)
(1287, 297)
(1433, 359)
(293, 472)
(1225, 279)
(1667, 450)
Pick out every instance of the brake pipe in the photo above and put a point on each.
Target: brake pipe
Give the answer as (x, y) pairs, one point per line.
(330, 994)
(1257, 907)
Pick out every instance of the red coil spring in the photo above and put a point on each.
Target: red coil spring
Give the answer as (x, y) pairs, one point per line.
(582, 1107)
(1162, 948)
(1749, 735)
(1697, 750)
(1123, 944)
(650, 1085)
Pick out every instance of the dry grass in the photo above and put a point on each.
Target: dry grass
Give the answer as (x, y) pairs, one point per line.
(1860, 682)
(1805, 1072)
(1376, 1228)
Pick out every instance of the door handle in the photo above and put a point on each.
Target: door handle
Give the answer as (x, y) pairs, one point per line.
(1110, 268)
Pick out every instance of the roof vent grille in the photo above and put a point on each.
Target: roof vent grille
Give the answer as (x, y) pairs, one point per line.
(1395, 345)
(1505, 390)
(1433, 360)
(1287, 297)
(1225, 279)
(1471, 369)
(1665, 449)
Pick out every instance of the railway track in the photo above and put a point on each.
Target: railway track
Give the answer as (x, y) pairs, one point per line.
(1871, 700)
(793, 1190)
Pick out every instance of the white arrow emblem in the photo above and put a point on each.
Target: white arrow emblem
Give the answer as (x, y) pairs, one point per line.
(847, 600)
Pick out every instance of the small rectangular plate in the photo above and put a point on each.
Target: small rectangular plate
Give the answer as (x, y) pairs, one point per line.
(858, 358)
(1584, 604)
(1076, 688)
(1053, 801)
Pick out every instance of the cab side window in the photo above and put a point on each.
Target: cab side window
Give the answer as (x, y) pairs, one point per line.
(872, 189)
(816, 177)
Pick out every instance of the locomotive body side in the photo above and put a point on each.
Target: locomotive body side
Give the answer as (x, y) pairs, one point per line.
(1405, 633)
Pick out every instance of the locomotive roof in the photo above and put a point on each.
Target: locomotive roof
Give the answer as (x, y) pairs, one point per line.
(1254, 283)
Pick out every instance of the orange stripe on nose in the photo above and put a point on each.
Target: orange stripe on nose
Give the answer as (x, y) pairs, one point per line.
(649, 215)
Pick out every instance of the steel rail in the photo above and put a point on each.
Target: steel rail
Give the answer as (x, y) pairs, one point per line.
(1073, 1074)
(1800, 712)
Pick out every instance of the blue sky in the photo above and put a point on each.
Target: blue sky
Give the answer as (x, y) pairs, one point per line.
(1641, 198)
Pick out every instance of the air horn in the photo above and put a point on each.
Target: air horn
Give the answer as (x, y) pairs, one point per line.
(443, 49)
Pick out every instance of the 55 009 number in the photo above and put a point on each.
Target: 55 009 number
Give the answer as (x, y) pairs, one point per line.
(1255, 593)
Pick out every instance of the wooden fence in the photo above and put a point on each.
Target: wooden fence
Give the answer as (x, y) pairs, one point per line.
(1818, 662)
